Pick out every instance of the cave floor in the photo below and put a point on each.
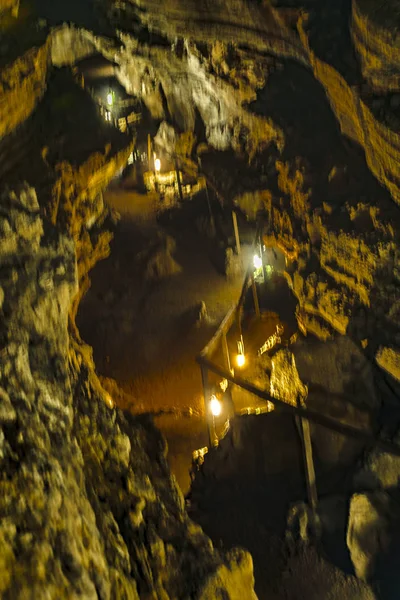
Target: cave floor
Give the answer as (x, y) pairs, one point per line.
(138, 330)
(140, 333)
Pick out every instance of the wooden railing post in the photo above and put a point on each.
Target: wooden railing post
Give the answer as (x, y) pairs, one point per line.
(255, 297)
(225, 350)
(236, 231)
(206, 395)
(304, 429)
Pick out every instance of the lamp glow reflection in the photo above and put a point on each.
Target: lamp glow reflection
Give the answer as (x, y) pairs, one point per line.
(215, 406)
(257, 262)
(240, 360)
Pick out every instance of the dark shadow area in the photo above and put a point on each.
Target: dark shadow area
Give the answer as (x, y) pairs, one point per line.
(335, 166)
(298, 103)
(328, 29)
(82, 13)
(65, 126)
(386, 576)
(243, 491)
(275, 295)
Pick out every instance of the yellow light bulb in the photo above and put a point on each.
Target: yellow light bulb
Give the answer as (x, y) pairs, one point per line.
(240, 360)
(257, 262)
(215, 406)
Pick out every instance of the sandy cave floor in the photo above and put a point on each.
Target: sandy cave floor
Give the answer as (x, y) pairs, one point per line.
(140, 332)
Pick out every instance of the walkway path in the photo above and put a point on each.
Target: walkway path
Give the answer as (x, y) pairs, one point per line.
(138, 329)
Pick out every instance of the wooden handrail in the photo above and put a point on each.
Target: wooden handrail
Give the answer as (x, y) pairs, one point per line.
(235, 309)
(311, 415)
(223, 328)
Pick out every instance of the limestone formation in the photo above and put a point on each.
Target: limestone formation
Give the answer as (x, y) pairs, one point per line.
(285, 383)
(25, 77)
(87, 505)
(368, 533)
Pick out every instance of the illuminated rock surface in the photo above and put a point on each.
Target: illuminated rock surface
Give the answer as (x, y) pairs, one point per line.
(373, 527)
(87, 504)
(88, 507)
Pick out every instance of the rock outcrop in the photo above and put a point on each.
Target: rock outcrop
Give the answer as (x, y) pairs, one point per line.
(375, 36)
(23, 78)
(176, 80)
(282, 33)
(368, 533)
(183, 61)
(355, 247)
(87, 506)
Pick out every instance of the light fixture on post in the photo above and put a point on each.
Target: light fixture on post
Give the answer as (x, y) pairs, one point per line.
(157, 167)
(257, 262)
(240, 357)
(110, 98)
(215, 406)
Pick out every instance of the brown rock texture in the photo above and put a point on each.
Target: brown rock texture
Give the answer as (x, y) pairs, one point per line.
(176, 74)
(176, 80)
(343, 269)
(88, 507)
(381, 144)
(9, 6)
(374, 30)
(23, 78)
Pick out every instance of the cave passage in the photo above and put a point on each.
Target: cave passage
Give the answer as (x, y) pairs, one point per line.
(143, 329)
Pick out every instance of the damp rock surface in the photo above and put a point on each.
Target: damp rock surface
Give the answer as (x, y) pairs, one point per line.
(88, 507)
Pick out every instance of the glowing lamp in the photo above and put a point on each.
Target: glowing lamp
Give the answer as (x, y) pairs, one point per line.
(257, 262)
(157, 164)
(215, 406)
(240, 360)
(109, 99)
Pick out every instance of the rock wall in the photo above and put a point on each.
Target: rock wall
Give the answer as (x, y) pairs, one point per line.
(249, 24)
(375, 36)
(343, 267)
(87, 505)
(262, 29)
(11, 6)
(176, 81)
(24, 78)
